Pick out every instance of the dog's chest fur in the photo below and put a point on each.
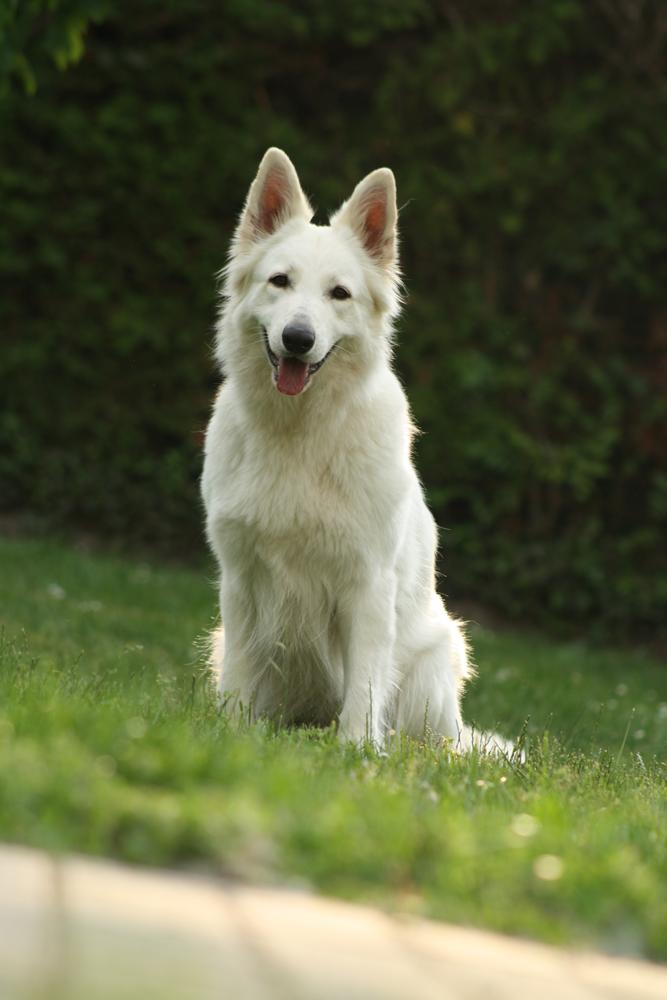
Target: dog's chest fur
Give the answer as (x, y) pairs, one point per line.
(303, 506)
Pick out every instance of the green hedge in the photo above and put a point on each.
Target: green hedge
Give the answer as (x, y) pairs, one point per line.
(530, 149)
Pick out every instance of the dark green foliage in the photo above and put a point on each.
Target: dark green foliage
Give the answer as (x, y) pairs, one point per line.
(530, 149)
(38, 32)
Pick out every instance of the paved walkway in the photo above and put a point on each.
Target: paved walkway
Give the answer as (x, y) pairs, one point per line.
(76, 929)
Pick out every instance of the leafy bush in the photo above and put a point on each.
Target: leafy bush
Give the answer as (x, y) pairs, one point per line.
(529, 146)
(35, 32)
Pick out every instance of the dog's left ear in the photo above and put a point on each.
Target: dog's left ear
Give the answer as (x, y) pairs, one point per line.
(371, 214)
(275, 197)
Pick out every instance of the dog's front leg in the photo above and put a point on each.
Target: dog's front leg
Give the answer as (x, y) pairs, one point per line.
(237, 677)
(368, 629)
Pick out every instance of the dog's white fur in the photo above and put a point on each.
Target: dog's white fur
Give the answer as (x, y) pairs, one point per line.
(314, 509)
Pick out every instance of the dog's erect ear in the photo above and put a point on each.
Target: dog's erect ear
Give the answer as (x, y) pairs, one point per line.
(371, 214)
(275, 196)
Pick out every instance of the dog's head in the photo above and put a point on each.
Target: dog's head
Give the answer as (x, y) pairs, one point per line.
(301, 297)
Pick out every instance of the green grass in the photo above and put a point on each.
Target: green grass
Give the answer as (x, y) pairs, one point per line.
(110, 743)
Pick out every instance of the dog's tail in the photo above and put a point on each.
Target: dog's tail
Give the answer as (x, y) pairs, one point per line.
(492, 744)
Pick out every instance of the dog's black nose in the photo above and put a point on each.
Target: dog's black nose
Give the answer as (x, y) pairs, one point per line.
(298, 338)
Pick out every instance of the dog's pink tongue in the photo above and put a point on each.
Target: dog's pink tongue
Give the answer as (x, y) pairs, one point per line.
(292, 375)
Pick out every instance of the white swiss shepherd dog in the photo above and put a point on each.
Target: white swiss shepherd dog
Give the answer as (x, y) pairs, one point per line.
(314, 509)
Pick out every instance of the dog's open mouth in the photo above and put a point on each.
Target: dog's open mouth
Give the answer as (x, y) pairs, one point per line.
(291, 375)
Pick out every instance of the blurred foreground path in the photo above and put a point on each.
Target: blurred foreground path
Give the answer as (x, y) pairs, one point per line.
(77, 928)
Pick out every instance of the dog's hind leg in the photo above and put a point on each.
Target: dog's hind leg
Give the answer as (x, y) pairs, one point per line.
(216, 655)
(431, 687)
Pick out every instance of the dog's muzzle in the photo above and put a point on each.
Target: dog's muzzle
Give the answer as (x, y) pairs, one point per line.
(291, 374)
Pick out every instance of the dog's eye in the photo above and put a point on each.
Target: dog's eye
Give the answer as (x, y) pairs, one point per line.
(340, 293)
(279, 280)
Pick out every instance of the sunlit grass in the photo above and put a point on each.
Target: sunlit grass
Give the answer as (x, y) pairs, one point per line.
(111, 743)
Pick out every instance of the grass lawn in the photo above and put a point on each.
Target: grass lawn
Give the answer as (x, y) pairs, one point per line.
(111, 743)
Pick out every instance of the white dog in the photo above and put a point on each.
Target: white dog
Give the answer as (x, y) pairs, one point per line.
(314, 509)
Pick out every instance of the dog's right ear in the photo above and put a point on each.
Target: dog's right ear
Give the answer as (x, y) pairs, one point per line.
(275, 197)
